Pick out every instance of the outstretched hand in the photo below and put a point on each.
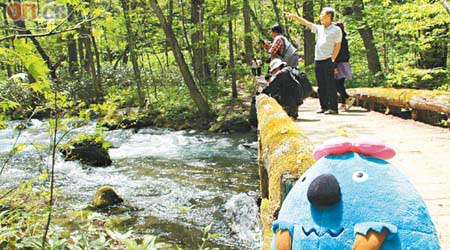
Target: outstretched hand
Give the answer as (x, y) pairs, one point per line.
(289, 15)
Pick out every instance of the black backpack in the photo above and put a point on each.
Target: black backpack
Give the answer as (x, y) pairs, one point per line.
(302, 80)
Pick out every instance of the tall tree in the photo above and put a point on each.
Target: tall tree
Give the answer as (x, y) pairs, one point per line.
(132, 47)
(308, 36)
(373, 59)
(194, 91)
(231, 49)
(85, 33)
(72, 46)
(199, 60)
(258, 24)
(248, 44)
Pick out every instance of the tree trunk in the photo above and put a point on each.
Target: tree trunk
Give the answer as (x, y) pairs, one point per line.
(73, 57)
(185, 33)
(198, 55)
(247, 33)
(230, 44)
(280, 20)
(89, 64)
(132, 48)
(308, 37)
(263, 32)
(97, 57)
(8, 43)
(197, 97)
(80, 53)
(72, 47)
(277, 11)
(373, 59)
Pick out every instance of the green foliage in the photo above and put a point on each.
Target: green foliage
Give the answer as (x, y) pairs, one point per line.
(23, 212)
(407, 77)
(207, 235)
(96, 138)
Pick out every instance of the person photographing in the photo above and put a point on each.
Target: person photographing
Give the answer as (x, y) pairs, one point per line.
(281, 48)
(328, 44)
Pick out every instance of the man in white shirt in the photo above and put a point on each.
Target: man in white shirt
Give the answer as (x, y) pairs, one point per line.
(328, 44)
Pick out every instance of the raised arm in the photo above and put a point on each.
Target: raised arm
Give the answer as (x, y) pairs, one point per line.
(299, 19)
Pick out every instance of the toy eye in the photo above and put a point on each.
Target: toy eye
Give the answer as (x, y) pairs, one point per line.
(360, 176)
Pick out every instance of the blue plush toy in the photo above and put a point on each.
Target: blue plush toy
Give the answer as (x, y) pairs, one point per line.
(353, 199)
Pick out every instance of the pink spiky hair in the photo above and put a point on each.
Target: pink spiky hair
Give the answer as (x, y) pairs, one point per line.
(366, 146)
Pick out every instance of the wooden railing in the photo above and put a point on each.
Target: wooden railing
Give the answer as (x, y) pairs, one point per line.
(420, 102)
(284, 154)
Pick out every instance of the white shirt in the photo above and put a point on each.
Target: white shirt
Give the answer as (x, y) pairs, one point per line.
(326, 40)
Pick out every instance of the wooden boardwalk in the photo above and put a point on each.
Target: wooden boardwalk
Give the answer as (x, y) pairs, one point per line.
(423, 151)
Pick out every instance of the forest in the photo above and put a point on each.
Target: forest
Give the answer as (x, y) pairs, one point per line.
(178, 64)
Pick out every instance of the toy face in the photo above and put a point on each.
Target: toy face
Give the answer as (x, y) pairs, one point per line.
(342, 194)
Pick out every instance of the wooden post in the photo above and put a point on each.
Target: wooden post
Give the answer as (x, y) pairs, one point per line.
(371, 105)
(448, 121)
(415, 114)
(263, 176)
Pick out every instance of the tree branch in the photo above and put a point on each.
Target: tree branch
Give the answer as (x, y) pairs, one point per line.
(50, 33)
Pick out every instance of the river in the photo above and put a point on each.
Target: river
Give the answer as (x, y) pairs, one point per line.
(178, 181)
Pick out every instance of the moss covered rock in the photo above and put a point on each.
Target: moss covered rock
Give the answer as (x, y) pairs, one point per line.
(129, 120)
(234, 123)
(106, 197)
(88, 149)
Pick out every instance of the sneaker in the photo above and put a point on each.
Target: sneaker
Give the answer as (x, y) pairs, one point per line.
(321, 111)
(350, 101)
(331, 112)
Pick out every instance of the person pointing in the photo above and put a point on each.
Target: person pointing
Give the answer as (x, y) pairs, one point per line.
(328, 44)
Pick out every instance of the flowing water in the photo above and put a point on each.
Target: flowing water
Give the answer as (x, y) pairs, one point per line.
(179, 181)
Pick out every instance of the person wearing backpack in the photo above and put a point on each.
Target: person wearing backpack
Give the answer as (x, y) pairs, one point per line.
(343, 71)
(281, 48)
(284, 88)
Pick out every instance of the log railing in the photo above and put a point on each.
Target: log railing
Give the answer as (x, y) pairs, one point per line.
(284, 154)
(420, 102)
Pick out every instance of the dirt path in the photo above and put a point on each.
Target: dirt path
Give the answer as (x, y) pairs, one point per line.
(423, 151)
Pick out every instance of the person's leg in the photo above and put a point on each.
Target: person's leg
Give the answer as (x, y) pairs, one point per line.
(341, 89)
(254, 71)
(320, 84)
(331, 93)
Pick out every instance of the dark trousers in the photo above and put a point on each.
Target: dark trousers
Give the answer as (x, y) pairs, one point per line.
(254, 71)
(341, 90)
(327, 84)
(258, 71)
